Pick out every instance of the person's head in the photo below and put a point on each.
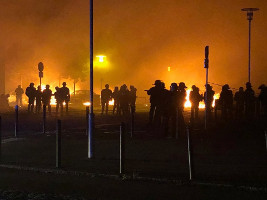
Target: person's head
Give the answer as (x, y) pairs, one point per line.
(39, 88)
(194, 87)
(174, 87)
(31, 84)
(57, 88)
(47, 87)
(64, 84)
(131, 87)
(262, 86)
(19, 86)
(107, 86)
(182, 85)
(163, 85)
(208, 86)
(157, 83)
(248, 85)
(116, 88)
(225, 87)
(241, 89)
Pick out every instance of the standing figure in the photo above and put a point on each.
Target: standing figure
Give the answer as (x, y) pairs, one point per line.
(263, 99)
(155, 93)
(105, 98)
(132, 98)
(38, 95)
(115, 96)
(30, 93)
(208, 98)
(65, 95)
(124, 100)
(172, 104)
(195, 98)
(59, 100)
(249, 101)
(19, 91)
(46, 98)
(181, 102)
(226, 101)
(240, 102)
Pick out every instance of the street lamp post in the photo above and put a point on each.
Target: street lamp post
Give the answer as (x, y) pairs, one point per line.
(249, 18)
(91, 114)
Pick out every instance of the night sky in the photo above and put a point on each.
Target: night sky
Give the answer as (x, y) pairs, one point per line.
(140, 39)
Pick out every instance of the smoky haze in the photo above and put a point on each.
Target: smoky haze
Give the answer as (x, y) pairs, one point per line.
(140, 40)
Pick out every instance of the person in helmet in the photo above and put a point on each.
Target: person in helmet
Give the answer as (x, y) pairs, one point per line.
(46, 98)
(195, 98)
(38, 96)
(226, 101)
(65, 95)
(106, 95)
(19, 92)
(30, 93)
(249, 101)
(263, 99)
(208, 99)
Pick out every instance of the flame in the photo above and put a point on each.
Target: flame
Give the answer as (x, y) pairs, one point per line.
(87, 103)
(111, 102)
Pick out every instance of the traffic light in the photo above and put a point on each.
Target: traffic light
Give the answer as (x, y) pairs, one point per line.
(41, 69)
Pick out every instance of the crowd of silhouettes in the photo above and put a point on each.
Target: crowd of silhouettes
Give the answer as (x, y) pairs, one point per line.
(167, 106)
(38, 98)
(124, 99)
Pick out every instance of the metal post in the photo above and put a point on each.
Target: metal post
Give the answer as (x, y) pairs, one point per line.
(132, 121)
(266, 139)
(44, 119)
(87, 119)
(190, 154)
(91, 118)
(0, 138)
(122, 148)
(40, 82)
(206, 98)
(249, 39)
(16, 120)
(58, 144)
(177, 124)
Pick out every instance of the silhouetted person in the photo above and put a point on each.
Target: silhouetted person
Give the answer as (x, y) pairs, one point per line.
(249, 101)
(226, 101)
(181, 102)
(124, 99)
(195, 98)
(19, 92)
(65, 95)
(154, 93)
(38, 96)
(105, 98)
(59, 99)
(132, 98)
(263, 99)
(46, 97)
(172, 105)
(115, 96)
(209, 100)
(240, 102)
(30, 93)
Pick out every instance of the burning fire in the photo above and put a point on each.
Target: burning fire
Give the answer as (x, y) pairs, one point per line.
(202, 103)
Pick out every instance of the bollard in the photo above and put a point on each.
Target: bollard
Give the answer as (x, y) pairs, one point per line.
(58, 144)
(122, 148)
(266, 139)
(87, 119)
(132, 121)
(177, 124)
(190, 154)
(0, 138)
(16, 120)
(44, 119)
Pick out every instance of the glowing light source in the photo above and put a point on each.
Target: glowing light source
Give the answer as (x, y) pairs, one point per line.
(111, 102)
(169, 69)
(87, 103)
(100, 58)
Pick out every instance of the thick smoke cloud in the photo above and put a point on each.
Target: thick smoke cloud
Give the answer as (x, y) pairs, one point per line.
(140, 39)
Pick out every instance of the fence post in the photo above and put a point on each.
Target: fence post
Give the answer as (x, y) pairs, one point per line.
(122, 147)
(44, 119)
(0, 138)
(265, 139)
(58, 144)
(177, 124)
(87, 119)
(190, 155)
(16, 120)
(132, 120)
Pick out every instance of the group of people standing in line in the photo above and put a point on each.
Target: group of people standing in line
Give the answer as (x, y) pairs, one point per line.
(124, 99)
(166, 110)
(37, 97)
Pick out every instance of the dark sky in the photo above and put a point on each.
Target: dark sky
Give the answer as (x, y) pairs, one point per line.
(140, 38)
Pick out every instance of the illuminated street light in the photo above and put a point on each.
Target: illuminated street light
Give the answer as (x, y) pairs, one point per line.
(169, 69)
(249, 18)
(101, 58)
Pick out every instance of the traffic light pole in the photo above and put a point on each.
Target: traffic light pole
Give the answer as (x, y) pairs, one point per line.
(206, 97)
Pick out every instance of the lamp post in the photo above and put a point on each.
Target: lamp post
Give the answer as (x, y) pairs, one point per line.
(91, 114)
(249, 18)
